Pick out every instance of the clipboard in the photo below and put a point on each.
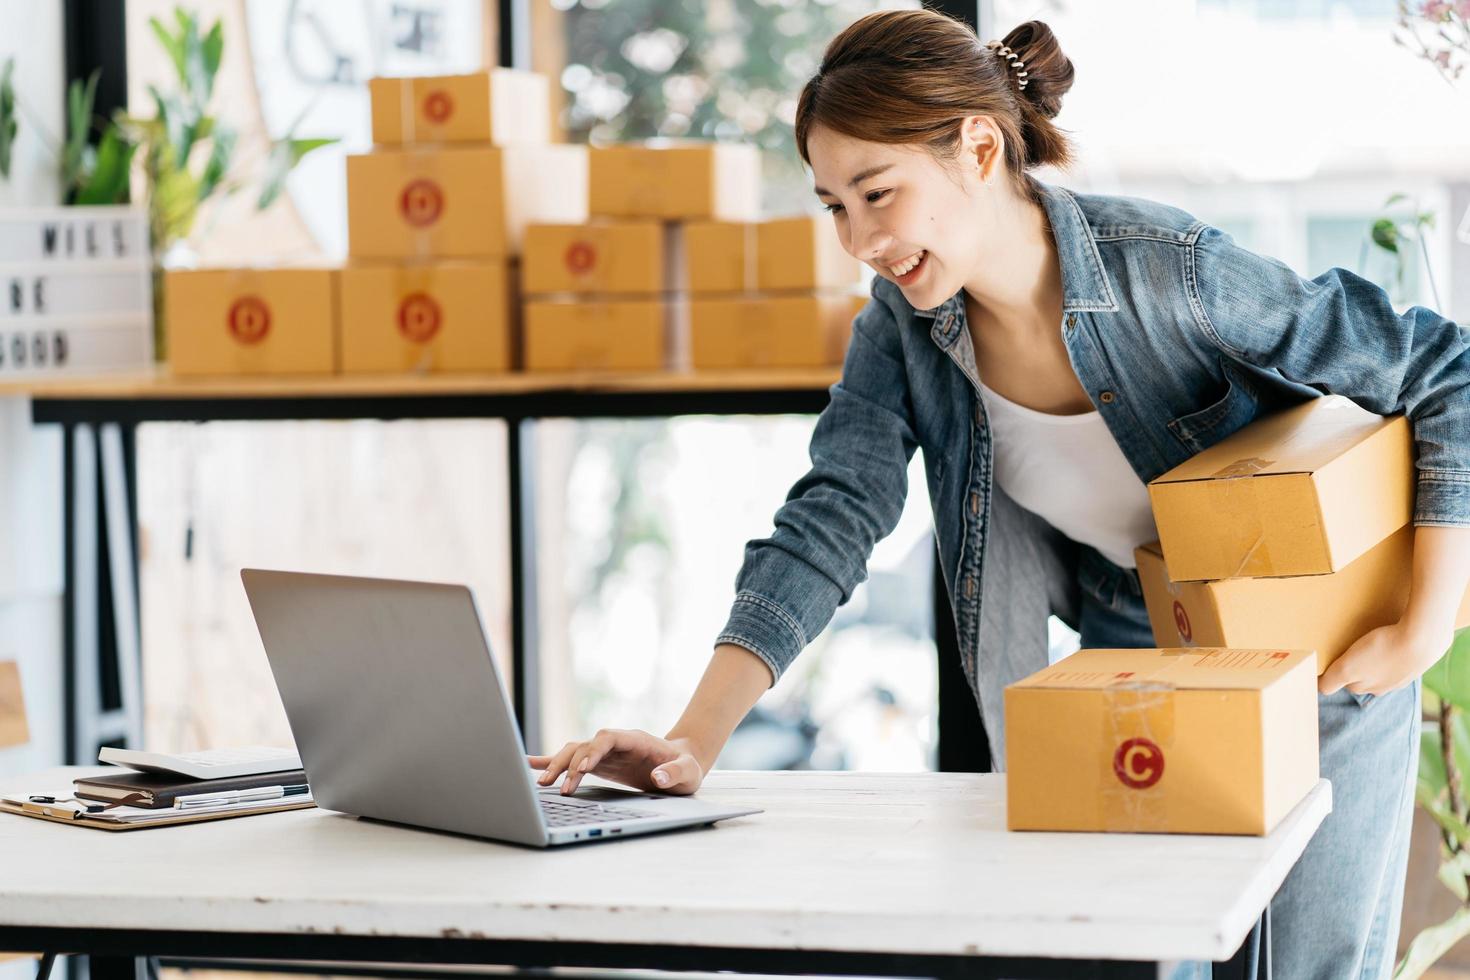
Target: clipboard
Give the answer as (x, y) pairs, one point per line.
(63, 813)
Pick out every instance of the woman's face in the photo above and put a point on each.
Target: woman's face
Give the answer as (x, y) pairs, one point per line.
(913, 221)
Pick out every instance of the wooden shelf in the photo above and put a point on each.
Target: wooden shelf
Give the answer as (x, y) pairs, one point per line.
(161, 385)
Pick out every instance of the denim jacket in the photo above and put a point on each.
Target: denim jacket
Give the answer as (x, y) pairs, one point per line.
(1179, 336)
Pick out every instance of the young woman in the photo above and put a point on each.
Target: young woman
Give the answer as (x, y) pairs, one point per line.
(1051, 353)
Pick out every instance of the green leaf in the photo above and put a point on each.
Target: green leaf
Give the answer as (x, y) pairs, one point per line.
(108, 181)
(1386, 234)
(76, 161)
(1394, 199)
(1452, 872)
(212, 51)
(284, 156)
(8, 121)
(1431, 944)
(173, 205)
(1449, 678)
(221, 149)
(173, 46)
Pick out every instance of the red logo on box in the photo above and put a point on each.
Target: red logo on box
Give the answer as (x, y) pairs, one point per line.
(249, 319)
(438, 106)
(580, 258)
(1138, 763)
(421, 203)
(419, 317)
(1181, 622)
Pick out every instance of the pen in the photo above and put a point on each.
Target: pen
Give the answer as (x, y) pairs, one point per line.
(238, 796)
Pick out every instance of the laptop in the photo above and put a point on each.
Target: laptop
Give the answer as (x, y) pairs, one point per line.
(399, 714)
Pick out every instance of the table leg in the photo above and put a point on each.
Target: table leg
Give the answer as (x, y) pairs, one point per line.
(101, 639)
(524, 626)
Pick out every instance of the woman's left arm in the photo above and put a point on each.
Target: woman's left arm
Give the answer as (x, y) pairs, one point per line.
(1339, 333)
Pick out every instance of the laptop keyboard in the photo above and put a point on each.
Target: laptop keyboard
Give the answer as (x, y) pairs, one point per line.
(562, 813)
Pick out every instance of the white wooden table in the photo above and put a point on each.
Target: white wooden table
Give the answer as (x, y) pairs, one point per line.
(845, 873)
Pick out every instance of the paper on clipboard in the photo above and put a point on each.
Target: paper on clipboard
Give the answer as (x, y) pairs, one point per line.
(60, 806)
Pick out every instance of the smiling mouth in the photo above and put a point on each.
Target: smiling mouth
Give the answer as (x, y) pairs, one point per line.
(908, 270)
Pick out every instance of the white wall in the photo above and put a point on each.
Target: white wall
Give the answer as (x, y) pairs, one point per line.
(31, 34)
(30, 458)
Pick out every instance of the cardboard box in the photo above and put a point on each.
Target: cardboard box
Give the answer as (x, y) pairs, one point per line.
(720, 256)
(600, 257)
(13, 730)
(675, 181)
(445, 316)
(785, 331)
(251, 321)
(460, 202)
(1203, 741)
(502, 107)
(1325, 613)
(1302, 492)
(803, 254)
(597, 335)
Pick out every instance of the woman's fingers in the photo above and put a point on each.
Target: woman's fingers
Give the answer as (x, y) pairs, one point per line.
(585, 759)
(558, 763)
(683, 775)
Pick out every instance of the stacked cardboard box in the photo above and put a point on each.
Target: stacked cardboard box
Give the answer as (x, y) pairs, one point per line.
(75, 291)
(1203, 741)
(612, 293)
(775, 294)
(1293, 532)
(267, 320)
(437, 214)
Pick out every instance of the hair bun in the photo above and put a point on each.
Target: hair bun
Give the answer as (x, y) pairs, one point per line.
(1049, 73)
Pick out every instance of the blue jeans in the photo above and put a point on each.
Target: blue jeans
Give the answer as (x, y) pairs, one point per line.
(1336, 916)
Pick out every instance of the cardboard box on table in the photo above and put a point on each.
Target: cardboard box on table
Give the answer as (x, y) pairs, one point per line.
(601, 257)
(803, 253)
(604, 334)
(251, 321)
(440, 316)
(675, 181)
(720, 257)
(460, 202)
(1325, 613)
(501, 107)
(1201, 741)
(13, 729)
(1302, 492)
(769, 331)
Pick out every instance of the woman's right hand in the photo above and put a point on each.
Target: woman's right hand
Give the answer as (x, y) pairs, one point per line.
(631, 757)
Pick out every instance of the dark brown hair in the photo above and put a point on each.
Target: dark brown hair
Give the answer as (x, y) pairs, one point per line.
(911, 76)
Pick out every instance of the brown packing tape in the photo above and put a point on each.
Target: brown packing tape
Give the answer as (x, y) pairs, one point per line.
(1249, 466)
(1137, 741)
(1244, 508)
(750, 231)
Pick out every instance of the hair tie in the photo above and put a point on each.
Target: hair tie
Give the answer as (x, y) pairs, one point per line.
(1015, 62)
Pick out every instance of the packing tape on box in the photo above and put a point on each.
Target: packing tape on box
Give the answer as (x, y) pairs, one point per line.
(1243, 508)
(419, 316)
(750, 261)
(1137, 740)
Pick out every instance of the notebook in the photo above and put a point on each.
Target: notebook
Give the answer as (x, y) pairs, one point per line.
(155, 790)
(207, 764)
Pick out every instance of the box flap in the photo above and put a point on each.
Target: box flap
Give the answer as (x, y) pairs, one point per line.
(1301, 439)
(1181, 668)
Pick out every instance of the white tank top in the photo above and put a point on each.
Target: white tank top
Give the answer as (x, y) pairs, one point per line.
(1068, 470)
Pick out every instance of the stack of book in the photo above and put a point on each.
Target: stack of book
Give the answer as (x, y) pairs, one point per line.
(154, 789)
